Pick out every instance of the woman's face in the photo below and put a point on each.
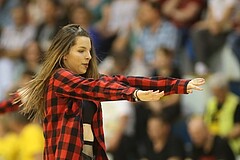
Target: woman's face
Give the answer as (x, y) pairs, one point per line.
(77, 60)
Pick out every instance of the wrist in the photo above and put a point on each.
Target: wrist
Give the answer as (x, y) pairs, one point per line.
(135, 95)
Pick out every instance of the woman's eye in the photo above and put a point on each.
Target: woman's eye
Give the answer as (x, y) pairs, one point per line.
(81, 51)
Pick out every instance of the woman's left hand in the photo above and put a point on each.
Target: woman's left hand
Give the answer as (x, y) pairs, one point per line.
(194, 84)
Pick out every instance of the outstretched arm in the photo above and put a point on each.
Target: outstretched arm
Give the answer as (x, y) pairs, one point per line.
(66, 84)
(167, 84)
(156, 95)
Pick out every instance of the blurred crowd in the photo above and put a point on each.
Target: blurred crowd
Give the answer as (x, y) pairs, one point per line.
(176, 38)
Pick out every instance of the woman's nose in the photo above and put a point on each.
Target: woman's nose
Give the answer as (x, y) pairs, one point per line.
(88, 55)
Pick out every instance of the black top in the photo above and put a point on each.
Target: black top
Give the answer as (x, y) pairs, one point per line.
(220, 150)
(88, 110)
(173, 148)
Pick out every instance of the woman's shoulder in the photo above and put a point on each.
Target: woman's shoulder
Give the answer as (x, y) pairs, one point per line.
(62, 72)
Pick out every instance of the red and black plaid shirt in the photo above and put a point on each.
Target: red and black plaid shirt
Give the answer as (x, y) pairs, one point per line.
(63, 127)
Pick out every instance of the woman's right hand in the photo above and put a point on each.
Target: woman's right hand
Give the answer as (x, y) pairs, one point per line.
(149, 95)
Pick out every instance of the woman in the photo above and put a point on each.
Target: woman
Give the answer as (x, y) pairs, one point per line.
(67, 91)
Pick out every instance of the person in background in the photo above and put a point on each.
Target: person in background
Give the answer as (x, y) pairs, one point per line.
(8, 140)
(22, 139)
(234, 37)
(206, 145)
(223, 103)
(209, 35)
(183, 14)
(164, 66)
(12, 42)
(162, 145)
(32, 57)
(5, 12)
(46, 30)
(157, 32)
(30, 140)
(121, 62)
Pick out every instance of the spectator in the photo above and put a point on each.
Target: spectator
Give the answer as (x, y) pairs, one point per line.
(157, 32)
(122, 63)
(122, 13)
(8, 140)
(222, 104)
(206, 145)
(30, 140)
(96, 7)
(5, 12)
(165, 66)
(210, 34)
(34, 8)
(183, 14)
(162, 145)
(234, 37)
(50, 25)
(13, 40)
(32, 57)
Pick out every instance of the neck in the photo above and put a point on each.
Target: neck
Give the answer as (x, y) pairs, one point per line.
(164, 71)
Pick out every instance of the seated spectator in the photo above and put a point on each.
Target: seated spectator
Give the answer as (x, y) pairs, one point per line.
(206, 146)
(234, 37)
(162, 145)
(12, 42)
(8, 140)
(5, 12)
(222, 104)
(164, 66)
(183, 14)
(32, 57)
(209, 35)
(95, 7)
(30, 141)
(25, 137)
(157, 32)
(122, 63)
(50, 24)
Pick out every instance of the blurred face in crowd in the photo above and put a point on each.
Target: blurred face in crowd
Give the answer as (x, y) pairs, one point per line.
(157, 129)
(49, 10)
(19, 16)
(32, 53)
(198, 131)
(147, 13)
(81, 16)
(220, 93)
(78, 58)
(163, 59)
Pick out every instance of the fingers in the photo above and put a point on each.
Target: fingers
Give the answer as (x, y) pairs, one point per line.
(158, 94)
(198, 81)
(193, 87)
(197, 88)
(150, 95)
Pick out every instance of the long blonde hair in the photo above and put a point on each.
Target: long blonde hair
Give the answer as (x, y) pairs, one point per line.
(32, 95)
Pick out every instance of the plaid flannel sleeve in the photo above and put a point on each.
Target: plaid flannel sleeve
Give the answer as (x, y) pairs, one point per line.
(8, 105)
(67, 84)
(167, 84)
